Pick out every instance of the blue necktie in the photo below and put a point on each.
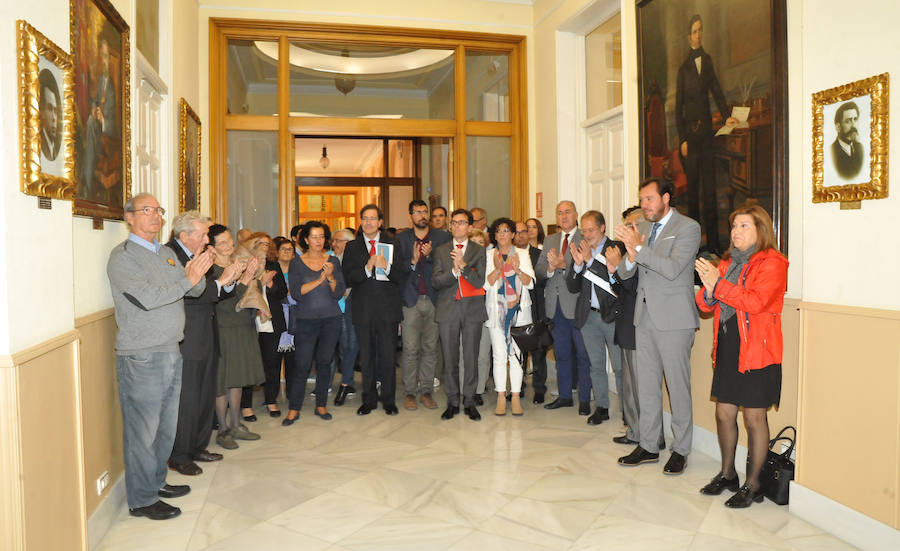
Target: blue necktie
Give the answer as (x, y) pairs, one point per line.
(656, 226)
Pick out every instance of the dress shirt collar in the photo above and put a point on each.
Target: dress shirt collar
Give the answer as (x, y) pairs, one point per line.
(845, 146)
(189, 254)
(463, 243)
(662, 222)
(154, 246)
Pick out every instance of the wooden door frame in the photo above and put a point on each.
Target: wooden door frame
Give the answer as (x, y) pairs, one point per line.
(221, 30)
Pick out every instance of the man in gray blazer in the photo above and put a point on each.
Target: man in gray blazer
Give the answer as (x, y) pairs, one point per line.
(568, 346)
(458, 277)
(662, 249)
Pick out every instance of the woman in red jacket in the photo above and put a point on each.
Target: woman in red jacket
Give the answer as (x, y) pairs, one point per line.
(746, 293)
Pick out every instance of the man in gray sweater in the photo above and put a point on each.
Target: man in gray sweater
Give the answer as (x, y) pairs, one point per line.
(148, 286)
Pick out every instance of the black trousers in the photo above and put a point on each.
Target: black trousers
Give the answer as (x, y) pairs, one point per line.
(539, 374)
(196, 407)
(377, 358)
(271, 358)
(701, 183)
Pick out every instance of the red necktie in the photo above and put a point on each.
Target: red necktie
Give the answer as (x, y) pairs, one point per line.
(371, 247)
(458, 292)
(565, 246)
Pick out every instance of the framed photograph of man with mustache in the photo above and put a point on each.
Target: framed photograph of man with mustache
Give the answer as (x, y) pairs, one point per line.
(850, 141)
(46, 115)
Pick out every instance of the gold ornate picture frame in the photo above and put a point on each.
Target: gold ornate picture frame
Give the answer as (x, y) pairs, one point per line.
(46, 115)
(101, 52)
(188, 159)
(850, 141)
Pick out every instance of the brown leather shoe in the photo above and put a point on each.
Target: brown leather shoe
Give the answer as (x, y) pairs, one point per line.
(410, 402)
(428, 401)
(187, 469)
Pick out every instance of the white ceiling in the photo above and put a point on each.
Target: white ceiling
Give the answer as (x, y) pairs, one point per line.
(348, 157)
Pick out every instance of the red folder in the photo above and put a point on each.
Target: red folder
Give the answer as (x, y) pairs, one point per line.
(466, 289)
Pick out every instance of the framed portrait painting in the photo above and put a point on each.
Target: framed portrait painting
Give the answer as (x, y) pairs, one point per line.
(101, 51)
(850, 141)
(46, 115)
(188, 159)
(712, 86)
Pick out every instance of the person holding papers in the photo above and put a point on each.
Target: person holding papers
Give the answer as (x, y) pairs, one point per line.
(369, 272)
(458, 277)
(595, 309)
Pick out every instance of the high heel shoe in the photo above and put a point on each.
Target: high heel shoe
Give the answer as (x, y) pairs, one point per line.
(341, 395)
(744, 498)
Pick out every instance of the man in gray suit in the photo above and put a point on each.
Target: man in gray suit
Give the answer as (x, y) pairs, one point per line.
(459, 269)
(665, 319)
(568, 346)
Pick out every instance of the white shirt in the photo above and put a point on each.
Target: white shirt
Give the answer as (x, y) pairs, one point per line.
(377, 240)
(662, 224)
(464, 244)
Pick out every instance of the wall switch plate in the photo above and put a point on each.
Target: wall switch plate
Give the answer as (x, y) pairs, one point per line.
(102, 482)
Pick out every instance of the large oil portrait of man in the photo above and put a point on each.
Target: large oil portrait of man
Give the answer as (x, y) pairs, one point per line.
(100, 46)
(711, 107)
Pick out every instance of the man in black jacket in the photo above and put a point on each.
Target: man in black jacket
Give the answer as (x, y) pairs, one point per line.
(199, 350)
(595, 311)
(375, 280)
(696, 81)
(419, 329)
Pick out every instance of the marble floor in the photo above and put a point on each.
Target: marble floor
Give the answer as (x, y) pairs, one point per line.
(542, 481)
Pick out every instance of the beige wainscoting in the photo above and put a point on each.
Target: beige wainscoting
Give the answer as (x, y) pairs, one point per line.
(43, 483)
(100, 403)
(849, 445)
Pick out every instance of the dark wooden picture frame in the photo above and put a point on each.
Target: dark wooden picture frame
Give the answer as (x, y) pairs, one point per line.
(188, 158)
(749, 57)
(101, 48)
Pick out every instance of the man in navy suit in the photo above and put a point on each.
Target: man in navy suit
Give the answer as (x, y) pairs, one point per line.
(419, 329)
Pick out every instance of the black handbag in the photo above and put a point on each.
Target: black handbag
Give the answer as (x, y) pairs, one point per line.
(533, 336)
(778, 470)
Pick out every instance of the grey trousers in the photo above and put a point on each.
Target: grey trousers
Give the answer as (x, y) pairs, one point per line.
(420, 342)
(454, 333)
(149, 391)
(484, 361)
(664, 354)
(631, 402)
(598, 336)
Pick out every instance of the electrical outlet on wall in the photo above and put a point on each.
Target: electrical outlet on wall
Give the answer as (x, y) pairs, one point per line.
(102, 482)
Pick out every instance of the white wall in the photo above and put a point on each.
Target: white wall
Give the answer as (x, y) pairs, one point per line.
(862, 42)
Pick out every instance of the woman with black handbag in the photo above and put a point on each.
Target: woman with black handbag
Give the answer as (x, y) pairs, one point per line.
(746, 294)
(509, 277)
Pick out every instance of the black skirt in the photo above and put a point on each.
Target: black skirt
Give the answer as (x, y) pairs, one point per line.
(757, 388)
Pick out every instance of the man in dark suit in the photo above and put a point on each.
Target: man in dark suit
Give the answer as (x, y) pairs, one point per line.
(572, 362)
(199, 350)
(538, 313)
(375, 281)
(846, 151)
(101, 121)
(459, 271)
(595, 311)
(665, 319)
(419, 330)
(696, 81)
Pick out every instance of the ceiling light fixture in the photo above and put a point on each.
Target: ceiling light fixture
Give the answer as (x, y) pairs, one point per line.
(346, 65)
(324, 161)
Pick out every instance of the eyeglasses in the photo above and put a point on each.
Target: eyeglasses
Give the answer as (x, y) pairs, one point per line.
(459, 222)
(421, 212)
(150, 211)
(370, 219)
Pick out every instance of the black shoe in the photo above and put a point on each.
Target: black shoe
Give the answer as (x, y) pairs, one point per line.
(250, 418)
(479, 401)
(364, 409)
(449, 412)
(391, 410)
(743, 498)
(622, 439)
(538, 398)
(274, 413)
(351, 391)
(473, 413)
(207, 456)
(638, 456)
(599, 415)
(287, 421)
(341, 395)
(187, 469)
(675, 464)
(560, 403)
(584, 408)
(169, 491)
(719, 483)
(158, 511)
(324, 416)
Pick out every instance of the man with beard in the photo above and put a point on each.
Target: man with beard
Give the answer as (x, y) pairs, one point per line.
(51, 115)
(696, 81)
(846, 151)
(419, 329)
